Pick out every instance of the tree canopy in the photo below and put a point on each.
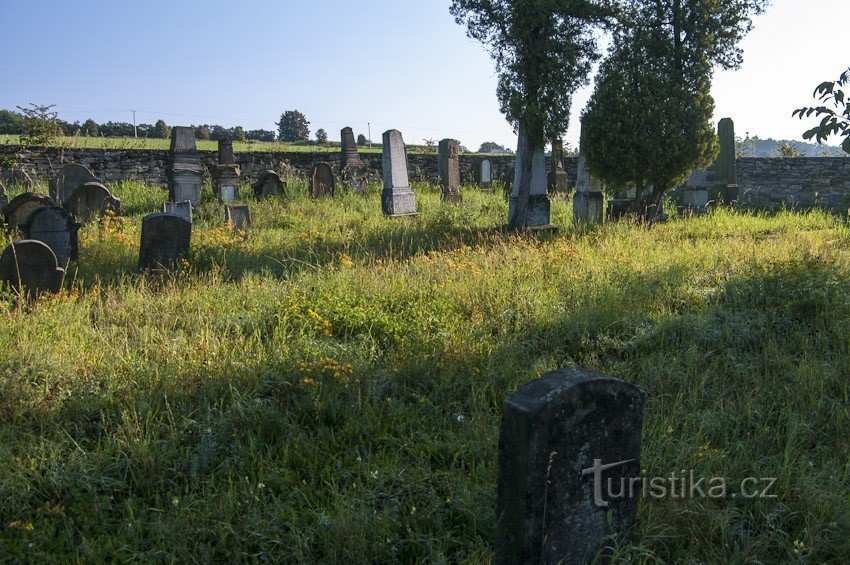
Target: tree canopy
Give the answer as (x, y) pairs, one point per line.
(835, 120)
(293, 126)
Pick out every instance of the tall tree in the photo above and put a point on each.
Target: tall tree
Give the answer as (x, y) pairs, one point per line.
(161, 130)
(90, 128)
(293, 126)
(544, 51)
(321, 136)
(833, 121)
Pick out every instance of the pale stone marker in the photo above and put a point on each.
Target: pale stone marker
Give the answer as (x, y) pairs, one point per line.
(182, 209)
(696, 194)
(486, 174)
(322, 180)
(269, 184)
(538, 200)
(225, 174)
(449, 167)
(557, 175)
(15, 177)
(165, 240)
(16, 212)
(30, 267)
(554, 503)
(589, 200)
(56, 227)
(69, 177)
(352, 170)
(239, 216)
(91, 199)
(397, 199)
(184, 172)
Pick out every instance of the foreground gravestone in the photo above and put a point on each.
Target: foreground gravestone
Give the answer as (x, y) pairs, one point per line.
(449, 168)
(16, 212)
(557, 174)
(321, 180)
(397, 198)
(69, 177)
(185, 174)
(589, 200)
(239, 216)
(725, 171)
(269, 184)
(29, 267)
(565, 438)
(182, 209)
(225, 174)
(13, 177)
(54, 226)
(165, 240)
(352, 170)
(485, 174)
(538, 200)
(90, 200)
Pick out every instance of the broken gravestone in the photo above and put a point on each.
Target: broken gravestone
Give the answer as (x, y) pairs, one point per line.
(54, 226)
(397, 199)
(91, 199)
(269, 184)
(69, 177)
(239, 216)
(569, 442)
(30, 267)
(449, 168)
(165, 240)
(321, 180)
(16, 212)
(182, 209)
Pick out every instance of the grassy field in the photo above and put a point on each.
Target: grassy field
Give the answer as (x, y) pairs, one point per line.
(328, 387)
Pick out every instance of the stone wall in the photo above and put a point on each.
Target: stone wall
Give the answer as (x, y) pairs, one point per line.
(803, 182)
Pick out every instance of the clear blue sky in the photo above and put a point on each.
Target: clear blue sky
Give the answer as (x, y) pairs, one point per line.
(400, 64)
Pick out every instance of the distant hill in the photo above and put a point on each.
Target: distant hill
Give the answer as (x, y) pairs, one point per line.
(755, 147)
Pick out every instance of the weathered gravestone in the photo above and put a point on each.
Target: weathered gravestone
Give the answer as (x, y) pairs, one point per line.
(15, 178)
(321, 180)
(538, 207)
(29, 267)
(449, 168)
(182, 209)
(695, 195)
(91, 199)
(54, 226)
(725, 171)
(165, 240)
(184, 172)
(269, 184)
(568, 441)
(557, 174)
(225, 173)
(589, 200)
(16, 212)
(397, 199)
(485, 174)
(69, 177)
(351, 168)
(239, 216)
(4, 199)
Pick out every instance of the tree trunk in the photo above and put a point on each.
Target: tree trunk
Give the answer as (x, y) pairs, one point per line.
(522, 179)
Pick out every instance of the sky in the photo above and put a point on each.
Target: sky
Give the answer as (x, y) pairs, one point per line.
(373, 65)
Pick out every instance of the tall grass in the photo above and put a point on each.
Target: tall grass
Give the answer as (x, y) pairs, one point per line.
(328, 387)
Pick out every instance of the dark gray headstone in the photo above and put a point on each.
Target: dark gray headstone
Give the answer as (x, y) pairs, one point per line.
(397, 199)
(225, 152)
(90, 200)
(269, 184)
(4, 198)
(30, 267)
(556, 432)
(322, 180)
(239, 216)
(69, 177)
(185, 174)
(56, 227)
(183, 139)
(557, 174)
(165, 240)
(724, 170)
(449, 168)
(352, 169)
(182, 209)
(16, 212)
(15, 178)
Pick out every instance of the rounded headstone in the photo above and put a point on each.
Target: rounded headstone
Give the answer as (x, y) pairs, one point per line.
(69, 177)
(165, 240)
(18, 210)
(269, 184)
(30, 266)
(15, 177)
(322, 180)
(54, 226)
(91, 199)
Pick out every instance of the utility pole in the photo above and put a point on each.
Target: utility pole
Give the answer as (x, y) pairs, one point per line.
(369, 125)
(135, 131)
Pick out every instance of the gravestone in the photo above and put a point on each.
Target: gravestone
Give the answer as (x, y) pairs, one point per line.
(225, 174)
(16, 212)
(185, 174)
(351, 168)
(54, 226)
(321, 180)
(485, 174)
(397, 199)
(558, 432)
(725, 171)
(538, 200)
(91, 199)
(69, 177)
(557, 174)
(29, 267)
(239, 216)
(449, 167)
(4, 199)
(269, 184)
(181, 209)
(695, 195)
(12, 177)
(165, 240)
(589, 200)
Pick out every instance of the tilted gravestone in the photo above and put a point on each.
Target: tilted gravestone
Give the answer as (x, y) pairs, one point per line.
(185, 174)
(16, 212)
(485, 174)
(225, 173)
(397, 198)
(165, 240)
(557, 175)
(92, 199)
(539, 211)
(239, 216)
(69, 177)
(15, 178)
(322, 180)
(29, 267)
(54, 226)
(352, 170)
(449, 168)
(182, 209)
(565, 439)
(269, 184)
